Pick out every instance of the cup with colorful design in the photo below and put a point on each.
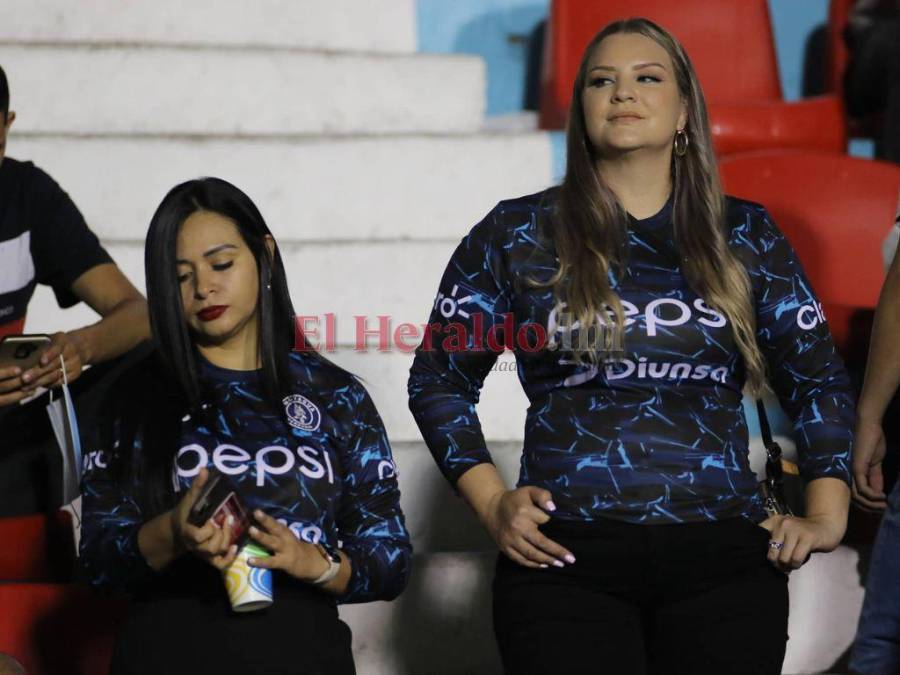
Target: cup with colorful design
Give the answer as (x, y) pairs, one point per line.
(249, 588)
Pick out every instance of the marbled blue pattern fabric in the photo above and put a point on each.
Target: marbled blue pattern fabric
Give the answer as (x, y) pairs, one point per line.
(322, 466)
(659, 437)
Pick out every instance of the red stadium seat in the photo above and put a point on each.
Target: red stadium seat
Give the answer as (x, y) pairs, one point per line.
(37, 547)
(732, 47)
(836, 211)
(58, 629)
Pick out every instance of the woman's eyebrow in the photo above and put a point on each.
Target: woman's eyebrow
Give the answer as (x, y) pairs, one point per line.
(636, 66)
(210, 252)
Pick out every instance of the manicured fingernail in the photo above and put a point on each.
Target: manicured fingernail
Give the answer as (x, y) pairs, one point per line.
(253, 530)
(558, 563)
(570, 558)
(258, 513)
(550, 506)
(26, 377)
(543, 565)
(251, 561)
(232, 549)
(230, 521)
(17, 371)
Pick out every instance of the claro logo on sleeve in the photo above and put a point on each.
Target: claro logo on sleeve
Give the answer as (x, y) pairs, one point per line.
(811, 315)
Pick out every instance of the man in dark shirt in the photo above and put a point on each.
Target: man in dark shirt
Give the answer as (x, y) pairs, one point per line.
(44, 239)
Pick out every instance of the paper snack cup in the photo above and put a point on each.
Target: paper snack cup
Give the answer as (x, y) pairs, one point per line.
(249, 588)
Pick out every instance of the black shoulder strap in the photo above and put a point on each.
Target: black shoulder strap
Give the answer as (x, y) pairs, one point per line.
(764, 427)
(773, 450)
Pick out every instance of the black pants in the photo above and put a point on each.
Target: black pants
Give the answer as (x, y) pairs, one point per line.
(187, 627)
(676, 599)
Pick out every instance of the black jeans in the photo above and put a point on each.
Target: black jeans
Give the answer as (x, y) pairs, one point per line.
(694, 599)
(184, 626)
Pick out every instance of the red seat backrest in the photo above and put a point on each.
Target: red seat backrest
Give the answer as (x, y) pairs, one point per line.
(730, 43)
(58, 629)
(835, 210)
(37, 547)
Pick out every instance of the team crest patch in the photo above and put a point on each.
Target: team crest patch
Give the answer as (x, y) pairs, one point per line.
(302, 413)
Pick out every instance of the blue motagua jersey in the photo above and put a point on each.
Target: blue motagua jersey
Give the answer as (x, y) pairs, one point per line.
(322, 465)
(660, 436)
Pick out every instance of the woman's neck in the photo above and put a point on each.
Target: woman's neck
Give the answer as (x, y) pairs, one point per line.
(642, 183)
(238, 352)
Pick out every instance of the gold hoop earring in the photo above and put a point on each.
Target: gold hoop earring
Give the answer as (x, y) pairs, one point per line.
(681, 142)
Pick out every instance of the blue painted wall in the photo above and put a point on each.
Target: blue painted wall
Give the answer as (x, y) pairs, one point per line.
(496, 30)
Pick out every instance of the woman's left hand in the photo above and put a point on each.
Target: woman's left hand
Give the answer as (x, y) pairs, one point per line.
(298, 558)
(798, 538)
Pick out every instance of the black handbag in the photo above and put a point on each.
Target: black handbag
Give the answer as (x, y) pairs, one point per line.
(782, 488)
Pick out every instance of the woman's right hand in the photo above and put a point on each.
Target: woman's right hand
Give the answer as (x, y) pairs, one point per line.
(209, 542)
(512, 521)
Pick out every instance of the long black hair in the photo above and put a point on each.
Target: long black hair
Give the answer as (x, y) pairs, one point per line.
(4, 95)
(145, 421)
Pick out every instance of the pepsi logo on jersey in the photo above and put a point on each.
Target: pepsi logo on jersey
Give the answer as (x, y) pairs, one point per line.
(660, 313)
(272, 460)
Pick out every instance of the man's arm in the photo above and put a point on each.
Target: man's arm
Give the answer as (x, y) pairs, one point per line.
(124, 325)
(125, 322)
(880, 385)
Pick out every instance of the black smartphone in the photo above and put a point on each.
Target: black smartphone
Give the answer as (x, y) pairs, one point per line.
(23, 351)
(217, 500)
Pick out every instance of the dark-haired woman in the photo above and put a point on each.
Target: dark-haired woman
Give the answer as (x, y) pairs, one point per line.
(298, 436)
(632, 543)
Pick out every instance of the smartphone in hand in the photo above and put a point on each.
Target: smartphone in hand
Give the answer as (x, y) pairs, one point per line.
(217, 500)
(23, 351)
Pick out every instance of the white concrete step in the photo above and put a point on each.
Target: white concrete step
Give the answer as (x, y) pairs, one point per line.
(394, 278)
(322, 189)
(441, 625)
(503, 403)
(438, 520)
(83, 89)
(384, 26)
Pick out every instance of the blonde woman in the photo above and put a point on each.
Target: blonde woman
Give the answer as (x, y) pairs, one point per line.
(640, 302)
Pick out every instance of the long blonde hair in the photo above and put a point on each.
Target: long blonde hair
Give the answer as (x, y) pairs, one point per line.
(588, 225)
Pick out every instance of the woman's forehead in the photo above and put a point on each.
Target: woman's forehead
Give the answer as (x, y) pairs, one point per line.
(627, 50)
(203, 229)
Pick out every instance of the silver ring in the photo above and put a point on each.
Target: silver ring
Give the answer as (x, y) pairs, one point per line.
(777, 545)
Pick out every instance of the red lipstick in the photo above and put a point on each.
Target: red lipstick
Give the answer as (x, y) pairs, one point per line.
(211, 313)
